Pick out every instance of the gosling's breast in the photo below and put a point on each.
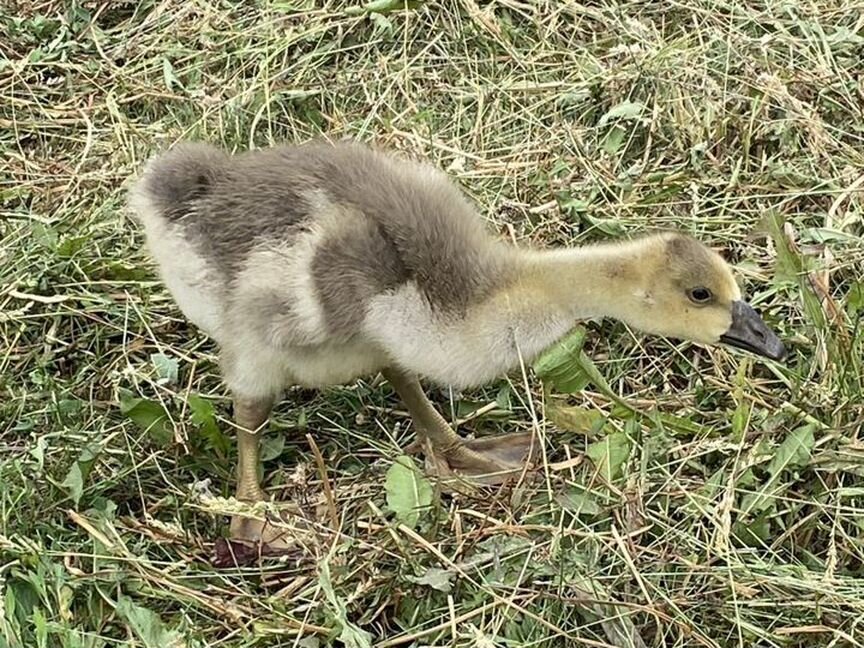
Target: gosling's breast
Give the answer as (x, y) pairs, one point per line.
(330, 364)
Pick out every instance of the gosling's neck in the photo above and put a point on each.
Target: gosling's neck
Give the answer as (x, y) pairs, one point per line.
(541, 296)
(587, 282)
(546, 293)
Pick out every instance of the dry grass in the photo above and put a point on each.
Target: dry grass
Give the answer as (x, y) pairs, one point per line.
(729, 511)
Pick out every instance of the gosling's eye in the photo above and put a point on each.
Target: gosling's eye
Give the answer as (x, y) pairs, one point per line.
(700, 295)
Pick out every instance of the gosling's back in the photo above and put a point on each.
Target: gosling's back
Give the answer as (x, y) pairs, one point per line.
(285, 247)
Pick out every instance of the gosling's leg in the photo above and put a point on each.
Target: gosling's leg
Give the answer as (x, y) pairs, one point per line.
(488, 461)
(250, 416)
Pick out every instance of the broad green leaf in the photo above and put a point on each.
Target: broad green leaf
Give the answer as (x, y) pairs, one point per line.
(571, 382)
(204, 416)
(788, 265)
(593, 373)
(310, 642)
(559, 366)
(68, 407)
(40, 627)
(435, 578)
(147, 625)
(408, 491)
(609, 226)
(169, 77)
(383, 25)
(612, 141)
(624, 110)
(149, 415)
(302, 420)
(794, 451)
(38, 452)
(578, 501)
(609, 454)
(741, 415)
(45, 235)
(383, 6)
(502, 400)
(704, 495)
(568, 369)
(740, 419)
(842, 35)
(469, 407)
(792, 268)
(559, 356)
(855, 299)
(74, 483)
(754, 533)
(746, 479)
(272, 446)
(350, 635)
(79, 471)
(851, 491)
(572, 207)
(166, 368)
(670, 422)
(71, 245)
(118, 270)
(848, 458)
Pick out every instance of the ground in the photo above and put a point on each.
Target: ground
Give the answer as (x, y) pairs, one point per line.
(689, 497)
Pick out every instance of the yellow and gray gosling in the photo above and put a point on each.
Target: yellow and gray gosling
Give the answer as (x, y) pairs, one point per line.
(321, 263)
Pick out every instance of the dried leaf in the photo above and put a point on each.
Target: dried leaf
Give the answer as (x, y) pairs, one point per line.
(575, 419)
(233, 553)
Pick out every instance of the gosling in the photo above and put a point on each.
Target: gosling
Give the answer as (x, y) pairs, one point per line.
(320, 263)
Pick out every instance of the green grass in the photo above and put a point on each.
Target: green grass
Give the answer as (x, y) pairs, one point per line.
(721, 505)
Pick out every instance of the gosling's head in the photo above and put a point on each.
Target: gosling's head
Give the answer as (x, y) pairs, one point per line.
(687, 291)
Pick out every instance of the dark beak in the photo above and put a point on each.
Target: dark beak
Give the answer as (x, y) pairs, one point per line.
(749, 332)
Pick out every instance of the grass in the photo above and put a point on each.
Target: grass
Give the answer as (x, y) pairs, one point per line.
(692, 497)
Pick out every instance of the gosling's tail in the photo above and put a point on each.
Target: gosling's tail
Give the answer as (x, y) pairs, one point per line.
(173, 181)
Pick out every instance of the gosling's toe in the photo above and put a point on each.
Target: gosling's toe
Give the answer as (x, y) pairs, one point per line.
(252, 539)
(488, 461)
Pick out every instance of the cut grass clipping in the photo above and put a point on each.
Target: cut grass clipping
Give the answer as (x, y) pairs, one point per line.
(689, 497)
